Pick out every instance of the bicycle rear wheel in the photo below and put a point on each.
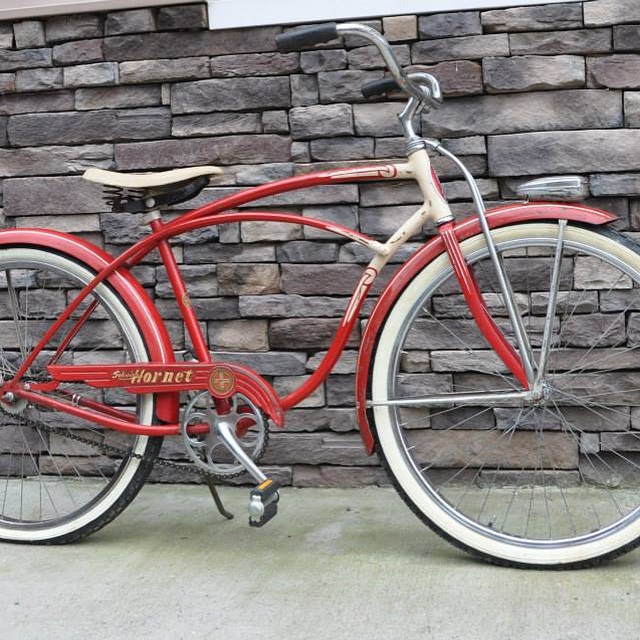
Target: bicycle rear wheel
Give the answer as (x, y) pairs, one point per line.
(551, 483)
(60, 477)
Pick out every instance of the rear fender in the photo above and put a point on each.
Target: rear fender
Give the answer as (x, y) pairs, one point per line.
(149, 321)
(498, 217)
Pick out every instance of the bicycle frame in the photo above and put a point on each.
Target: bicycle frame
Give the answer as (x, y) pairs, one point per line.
(168, 379)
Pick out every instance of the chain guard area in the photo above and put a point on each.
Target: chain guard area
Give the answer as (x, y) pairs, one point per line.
(207, 451)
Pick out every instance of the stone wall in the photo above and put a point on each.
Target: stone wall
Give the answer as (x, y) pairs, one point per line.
(529, 91)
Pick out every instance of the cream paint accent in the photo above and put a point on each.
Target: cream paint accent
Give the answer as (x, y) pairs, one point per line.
(147, 180)
(393, 450)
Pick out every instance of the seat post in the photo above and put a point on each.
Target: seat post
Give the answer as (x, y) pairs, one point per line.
(201, 349)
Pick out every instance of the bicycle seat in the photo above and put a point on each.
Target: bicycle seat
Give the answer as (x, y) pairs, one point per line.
(148, 180)
(137, 192)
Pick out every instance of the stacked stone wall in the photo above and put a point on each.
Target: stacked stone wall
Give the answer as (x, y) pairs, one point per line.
(529, 91)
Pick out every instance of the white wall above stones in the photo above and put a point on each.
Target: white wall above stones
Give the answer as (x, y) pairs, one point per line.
(226, 14)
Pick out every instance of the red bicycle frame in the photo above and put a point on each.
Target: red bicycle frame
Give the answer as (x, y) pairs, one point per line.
(165, 377)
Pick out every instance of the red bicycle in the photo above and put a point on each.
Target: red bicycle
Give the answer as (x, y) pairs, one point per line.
(496, 380)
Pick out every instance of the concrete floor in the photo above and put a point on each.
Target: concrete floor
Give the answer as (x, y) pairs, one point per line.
(335, 564)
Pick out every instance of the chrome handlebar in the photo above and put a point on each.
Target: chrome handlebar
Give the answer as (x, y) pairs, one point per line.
(419, 84)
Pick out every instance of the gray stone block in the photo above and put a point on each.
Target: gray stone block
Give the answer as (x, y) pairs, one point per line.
(533, 73)
(257, 174)
(214, 252)
(338, 476)
(579, 41)
(54, 160)
(74, 27)
(344, 86)
(348, 148)
(445, 25)
(78, 52)
(369, 57)
(238, 335)
(325, 419)
(347, 216)
(272, 363)
(324, 280)
(24, 59)
(625, 37)
(28, 34)
(318, 448)
(254, 64)
(34, 102)
(473, 145)
(390, 193)
(38, 79)
(399, 28)
(90, 75)
(6, 36)
(168, 70)
(259, 231)
(307, 333)
(248, 279)
(7, 82)
(201, 278)
(323, 60)
(612, 184)
(133, 21)
(205, 308)
(149, 46)
(3, 132)
(275, 122)
(215, 124)
(606, 12)
(226, 150)
(538, 18)
(526, 112)
(290, 306)
(341, 390)
(189, 16)
(564, 151)
(321, 121)
(466, 47)
(377, 119)
(347, 363)
(304, 90)
(232, 94)
(632, 109)
(300, 152)
(458, 78)
(90, 126)
(117, 97)
(287, 384)
(39, 196)
(302, 251)
(614, 72)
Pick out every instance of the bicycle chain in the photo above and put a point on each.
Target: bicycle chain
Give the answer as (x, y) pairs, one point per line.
(108, 449)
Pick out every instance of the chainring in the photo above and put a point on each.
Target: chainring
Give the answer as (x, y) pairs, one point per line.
(207, 451)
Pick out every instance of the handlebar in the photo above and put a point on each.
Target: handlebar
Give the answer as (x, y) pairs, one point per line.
(421, 86)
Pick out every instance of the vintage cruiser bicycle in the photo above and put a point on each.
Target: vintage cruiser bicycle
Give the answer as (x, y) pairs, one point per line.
(497, 377)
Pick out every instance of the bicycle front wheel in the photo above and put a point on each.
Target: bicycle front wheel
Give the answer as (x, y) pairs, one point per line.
(548, 483)
(63, 477)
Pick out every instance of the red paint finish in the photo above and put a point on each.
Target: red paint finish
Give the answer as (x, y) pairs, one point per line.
(134, 296)
(143, 377)
(473, 296)
(498, 217)
(349, 318)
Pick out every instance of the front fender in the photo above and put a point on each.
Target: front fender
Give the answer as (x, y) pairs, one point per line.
(151, 324)
(498, 217)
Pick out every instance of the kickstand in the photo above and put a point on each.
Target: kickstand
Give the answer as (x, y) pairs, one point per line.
(216, 498)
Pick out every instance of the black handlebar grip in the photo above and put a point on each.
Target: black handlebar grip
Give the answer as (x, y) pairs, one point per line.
(379, 87)
(306, 37)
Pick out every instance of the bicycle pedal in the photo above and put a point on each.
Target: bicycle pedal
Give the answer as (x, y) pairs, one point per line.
(263, 503)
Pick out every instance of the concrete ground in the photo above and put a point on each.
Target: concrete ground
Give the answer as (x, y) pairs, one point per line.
(334, 564)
